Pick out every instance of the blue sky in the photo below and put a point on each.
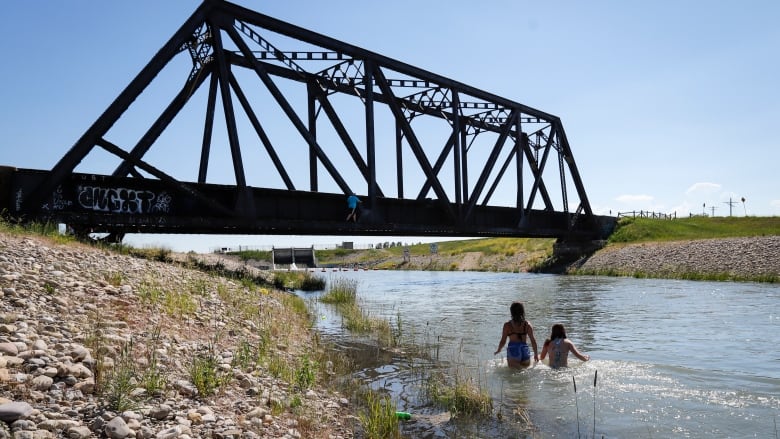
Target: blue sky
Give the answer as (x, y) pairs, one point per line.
(669, 106)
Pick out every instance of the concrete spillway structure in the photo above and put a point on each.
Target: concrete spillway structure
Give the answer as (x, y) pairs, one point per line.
(294, 257)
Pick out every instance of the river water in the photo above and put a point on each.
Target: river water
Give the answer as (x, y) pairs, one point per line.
(669, 358)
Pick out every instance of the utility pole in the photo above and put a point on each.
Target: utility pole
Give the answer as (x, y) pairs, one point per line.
(731, 204)
(713, 210)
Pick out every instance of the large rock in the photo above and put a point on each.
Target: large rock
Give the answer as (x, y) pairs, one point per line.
(11, 411)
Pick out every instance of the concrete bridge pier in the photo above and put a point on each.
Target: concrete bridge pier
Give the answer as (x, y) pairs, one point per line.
(566, 253)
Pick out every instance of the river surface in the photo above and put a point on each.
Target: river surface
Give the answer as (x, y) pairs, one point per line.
(669, 358)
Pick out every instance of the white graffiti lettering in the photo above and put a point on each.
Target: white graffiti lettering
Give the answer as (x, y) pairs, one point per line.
(122, 200)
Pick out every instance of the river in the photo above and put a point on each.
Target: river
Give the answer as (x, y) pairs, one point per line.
(669, 358)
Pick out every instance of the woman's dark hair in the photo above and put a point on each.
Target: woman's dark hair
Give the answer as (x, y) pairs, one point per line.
(558, 331)
(518, 312)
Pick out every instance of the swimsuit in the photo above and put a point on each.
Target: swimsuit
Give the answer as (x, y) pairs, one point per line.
(518, 350)
(555, 353)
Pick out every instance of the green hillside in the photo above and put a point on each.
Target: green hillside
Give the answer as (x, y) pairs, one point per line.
(646, 229)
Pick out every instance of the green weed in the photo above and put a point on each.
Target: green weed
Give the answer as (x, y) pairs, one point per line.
(121, 382)
(378, 417)
(205, 374)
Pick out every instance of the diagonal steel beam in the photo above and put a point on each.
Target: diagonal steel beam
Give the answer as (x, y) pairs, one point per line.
(536, 169)
(119, 152)
(261, 133)
(497, 180)
(88, 140)
(227, 107)
(563, 141)
(286, 107)
(414, 143)
(438, 165)
(480, 185)
(162, 122)
(341, 130)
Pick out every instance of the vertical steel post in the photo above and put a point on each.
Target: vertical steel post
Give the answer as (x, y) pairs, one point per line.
(456, 126)
(399, 158)
(208, 127)
(368, 81)
(313, 184)
(521, 141)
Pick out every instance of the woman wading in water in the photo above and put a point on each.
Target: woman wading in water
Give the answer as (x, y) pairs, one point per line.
(558, 347)
(516, 331)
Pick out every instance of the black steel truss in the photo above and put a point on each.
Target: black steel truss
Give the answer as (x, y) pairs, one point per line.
(220, 37)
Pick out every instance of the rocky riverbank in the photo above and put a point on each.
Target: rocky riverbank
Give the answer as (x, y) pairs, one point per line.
(96, 344)
(750, 258)
(731, 258)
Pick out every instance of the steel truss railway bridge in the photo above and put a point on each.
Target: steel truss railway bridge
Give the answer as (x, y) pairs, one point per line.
(307, 120)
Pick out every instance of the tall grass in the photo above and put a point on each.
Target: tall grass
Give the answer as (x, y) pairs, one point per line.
(342, 291)
(298, 280)
(343, 294)
(458, 390)
(377, 417)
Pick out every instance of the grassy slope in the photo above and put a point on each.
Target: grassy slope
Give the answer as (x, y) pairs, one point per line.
(644, 229)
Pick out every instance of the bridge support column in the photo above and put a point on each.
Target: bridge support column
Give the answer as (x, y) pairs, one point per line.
(566, 253)
(573, 250)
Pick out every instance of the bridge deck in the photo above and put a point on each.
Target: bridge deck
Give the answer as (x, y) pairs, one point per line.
(129, 205)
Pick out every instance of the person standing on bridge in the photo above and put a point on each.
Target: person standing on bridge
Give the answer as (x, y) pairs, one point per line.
(516, 331)
(352, 207)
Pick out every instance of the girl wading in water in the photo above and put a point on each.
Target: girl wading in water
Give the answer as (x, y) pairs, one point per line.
(516, 330)
(558, 347)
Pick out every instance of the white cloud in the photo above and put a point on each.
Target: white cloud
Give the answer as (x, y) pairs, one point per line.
(703, 188)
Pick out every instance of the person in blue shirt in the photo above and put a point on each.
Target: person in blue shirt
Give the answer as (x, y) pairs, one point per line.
(352, 203)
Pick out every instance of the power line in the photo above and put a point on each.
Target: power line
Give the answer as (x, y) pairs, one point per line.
(731, 204)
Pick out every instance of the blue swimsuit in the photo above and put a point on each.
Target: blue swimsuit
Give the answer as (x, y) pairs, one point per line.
(518, 350)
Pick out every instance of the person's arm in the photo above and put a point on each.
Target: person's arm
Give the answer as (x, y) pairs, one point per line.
(501, 343)
(577, 353)
(545, 348)
(533, 341)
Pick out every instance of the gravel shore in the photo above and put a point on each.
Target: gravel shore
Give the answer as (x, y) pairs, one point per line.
(57, 300)
(741, 258)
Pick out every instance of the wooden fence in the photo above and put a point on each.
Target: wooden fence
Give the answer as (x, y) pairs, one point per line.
(647, 214)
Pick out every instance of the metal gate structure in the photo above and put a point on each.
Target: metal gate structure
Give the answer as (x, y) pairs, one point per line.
(427, 155)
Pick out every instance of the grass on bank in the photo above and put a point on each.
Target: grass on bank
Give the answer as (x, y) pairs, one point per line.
(298, 280)
(342, 293)
(377, 416)
(634, 230)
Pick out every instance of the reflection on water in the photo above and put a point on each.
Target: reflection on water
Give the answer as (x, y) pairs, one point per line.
(674, 358)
